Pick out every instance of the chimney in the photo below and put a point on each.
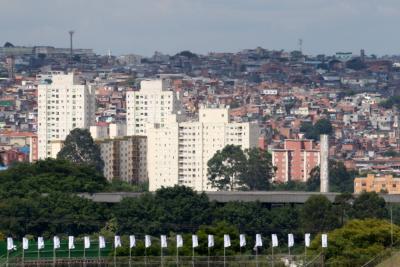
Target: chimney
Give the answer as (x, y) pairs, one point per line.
(324, 171)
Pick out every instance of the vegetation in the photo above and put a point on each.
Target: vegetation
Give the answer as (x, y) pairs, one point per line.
(340, 179)
(79, 148)
(322, 126)
(357, 242)
(390, 102)
(232, 168)
(40, 199)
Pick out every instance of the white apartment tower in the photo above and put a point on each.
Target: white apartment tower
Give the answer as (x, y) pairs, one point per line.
(63, 105)
(178, 152)
(151, 105)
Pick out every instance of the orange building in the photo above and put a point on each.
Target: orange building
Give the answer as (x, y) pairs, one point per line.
(372, 183)
(295, 161)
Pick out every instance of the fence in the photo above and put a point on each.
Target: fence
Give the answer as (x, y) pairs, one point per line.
(167, 261)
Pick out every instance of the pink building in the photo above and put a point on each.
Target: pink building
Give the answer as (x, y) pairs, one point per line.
(295, 161)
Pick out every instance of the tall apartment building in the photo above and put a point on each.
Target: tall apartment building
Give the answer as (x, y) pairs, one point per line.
(152, 104)
(124, 158)
(295, 161)
(64, 104)
(178, 152)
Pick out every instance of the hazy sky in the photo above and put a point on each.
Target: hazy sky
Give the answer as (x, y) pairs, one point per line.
(169, 26)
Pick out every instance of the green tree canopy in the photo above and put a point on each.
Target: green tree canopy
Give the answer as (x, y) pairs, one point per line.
(258, 171)
(235, 169)
(174, 209)
(357, 242)
(50, 175)
(322, 126)
(369, 205)
(318, 215)
(80, 148)
(340, 179)
(226, 167)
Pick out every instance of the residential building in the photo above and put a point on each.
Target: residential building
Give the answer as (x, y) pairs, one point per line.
(295, 161)
(63, 105)
(375, 183)
(124, 158)
(152, 104)
(178, 152)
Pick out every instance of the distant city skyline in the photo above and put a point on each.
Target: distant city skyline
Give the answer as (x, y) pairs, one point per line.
(169, 26)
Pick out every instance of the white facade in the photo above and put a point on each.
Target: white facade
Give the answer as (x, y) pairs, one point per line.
(63, 105)
(178, 152)
(151, 105)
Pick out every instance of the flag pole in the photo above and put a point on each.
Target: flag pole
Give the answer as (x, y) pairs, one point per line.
(305, 255)
(256, 256)
(145, 255)
(162, 260)
(84, 254)
(177, 256)
(23, 256)
(130, 256)
(208, 258)
(289, 256)
(193, 256)
(38, 256)
(69, 255)
(272, 251)
(99, 251)
(8, 252)
(224, 256)
(54, 256)
(115, 255)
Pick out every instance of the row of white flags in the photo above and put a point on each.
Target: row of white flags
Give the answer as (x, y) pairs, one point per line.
(163, 239)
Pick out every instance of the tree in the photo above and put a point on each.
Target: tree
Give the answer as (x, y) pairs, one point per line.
(318, 215)
(340, 179)
(355, 64)
(79, 148)
(258, 171)
(369, 205)
(343, 206)
(322, 126)
(47, 176)
(357, 242)
(226, 167)
(177, 209)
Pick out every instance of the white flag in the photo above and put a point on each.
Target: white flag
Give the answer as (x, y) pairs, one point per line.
(179, 241)
(274, 240)
(324, 240)
(86, 241)
(132, 241)
(25, 243)
(210, 241)
(71, 242)
(147, 241)
(164, 241)
(290, 240)
(102, 242)
(195, 241)
(10, 243)
(258, 240)
(307, 240)
(40, 243)
(56, 242)
(242, 238)
(227, 241)
(117, 241)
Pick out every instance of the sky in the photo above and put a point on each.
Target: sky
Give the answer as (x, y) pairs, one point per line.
(202, 26)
